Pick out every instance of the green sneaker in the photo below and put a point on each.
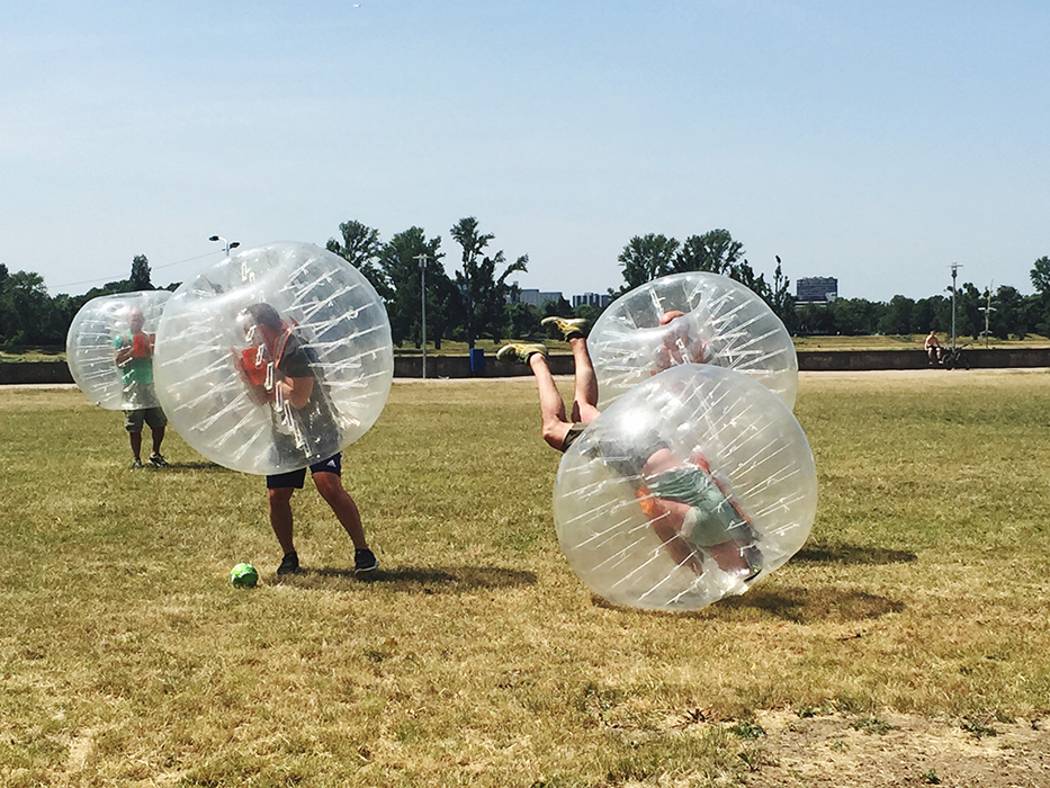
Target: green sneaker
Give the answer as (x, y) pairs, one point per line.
(520, 351)
(570, 327)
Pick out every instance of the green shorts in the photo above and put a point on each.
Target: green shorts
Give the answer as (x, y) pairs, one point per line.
(701, 530)
(575, 431)
(154, 417)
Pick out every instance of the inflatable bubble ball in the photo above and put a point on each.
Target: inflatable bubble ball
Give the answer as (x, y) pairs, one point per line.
(691, 487)
(691, 318)
(274, 358)
(109, 349)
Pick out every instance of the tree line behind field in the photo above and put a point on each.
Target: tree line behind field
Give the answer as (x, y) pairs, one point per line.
(476, 301)
(1013, 313)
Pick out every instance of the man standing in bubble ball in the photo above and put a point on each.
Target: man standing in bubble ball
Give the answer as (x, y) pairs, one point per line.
(294, 387)
(135, 358)
(690, 508)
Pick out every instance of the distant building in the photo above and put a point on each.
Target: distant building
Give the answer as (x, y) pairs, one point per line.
(600, 300)
(535, 297)
(811, 289)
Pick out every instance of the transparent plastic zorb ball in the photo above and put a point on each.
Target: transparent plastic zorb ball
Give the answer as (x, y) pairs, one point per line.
(691, 487)
(691, 318)
(109, 349)
(274, 358)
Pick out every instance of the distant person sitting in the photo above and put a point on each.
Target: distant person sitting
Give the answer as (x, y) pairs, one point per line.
(934, 349)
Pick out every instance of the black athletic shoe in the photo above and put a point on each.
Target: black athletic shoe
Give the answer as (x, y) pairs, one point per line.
(157, 461)
(753, 556)
(289, 565)
(365, 561)
(136, 464)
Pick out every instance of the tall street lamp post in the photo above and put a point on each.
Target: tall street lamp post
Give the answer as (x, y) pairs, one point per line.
(227, 245)
(421, 258)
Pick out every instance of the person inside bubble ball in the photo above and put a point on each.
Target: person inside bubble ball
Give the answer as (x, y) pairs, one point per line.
(134, 356)
(278, 369)
(694, 512)
(689, 507)
(680, 343)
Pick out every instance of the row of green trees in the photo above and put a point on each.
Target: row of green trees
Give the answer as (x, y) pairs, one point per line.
(470, 304)
(475, 300)
(647, 257)
(29, 316)
(1012, 313)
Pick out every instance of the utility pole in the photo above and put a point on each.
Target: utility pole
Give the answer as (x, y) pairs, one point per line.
(955, 274)
(987, 309)
(421, 258)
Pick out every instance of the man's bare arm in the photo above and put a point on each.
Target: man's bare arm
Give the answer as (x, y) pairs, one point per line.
(297, 391)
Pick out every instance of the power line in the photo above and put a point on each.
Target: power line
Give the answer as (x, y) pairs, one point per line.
(152, 268)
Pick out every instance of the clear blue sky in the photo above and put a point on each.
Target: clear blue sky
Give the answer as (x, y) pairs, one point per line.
(875, 142)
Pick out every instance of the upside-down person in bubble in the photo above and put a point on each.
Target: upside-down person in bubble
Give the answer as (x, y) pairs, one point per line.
(681, 345)
(278, 369)
(134, 356)
(690, 508)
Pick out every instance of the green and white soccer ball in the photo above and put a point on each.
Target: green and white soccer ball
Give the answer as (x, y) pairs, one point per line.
(244, 576)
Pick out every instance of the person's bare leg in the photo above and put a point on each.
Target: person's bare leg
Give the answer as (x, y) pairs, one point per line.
(136, 445)
(585, 395)
(331, 488)
(158, 438)
(727, 556)
(281, 517)
(681, 552)
(552, 409)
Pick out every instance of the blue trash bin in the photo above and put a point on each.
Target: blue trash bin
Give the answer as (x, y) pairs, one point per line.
(477, 362)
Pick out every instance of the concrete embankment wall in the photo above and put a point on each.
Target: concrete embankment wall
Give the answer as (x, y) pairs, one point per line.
(45, 372)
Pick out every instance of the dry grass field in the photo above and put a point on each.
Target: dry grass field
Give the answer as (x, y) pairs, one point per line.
(905, 645)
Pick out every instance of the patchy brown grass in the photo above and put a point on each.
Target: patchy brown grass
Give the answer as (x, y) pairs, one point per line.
(477, 657)
(893, 749)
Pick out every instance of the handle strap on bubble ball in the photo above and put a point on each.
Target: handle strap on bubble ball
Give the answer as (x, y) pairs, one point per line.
(284, 407)
(288, 327)
(297, 430)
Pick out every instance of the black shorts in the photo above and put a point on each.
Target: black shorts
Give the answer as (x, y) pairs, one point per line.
(296, 479)
(574, 433)
(154, 417)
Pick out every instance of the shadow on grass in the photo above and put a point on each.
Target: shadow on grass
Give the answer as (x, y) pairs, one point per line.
(809, 605)
(194, 466)
(852, 554)
(416, 580)
(798, 605)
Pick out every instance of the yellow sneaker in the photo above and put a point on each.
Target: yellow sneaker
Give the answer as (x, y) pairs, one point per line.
(520, 351)
(570, 327)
